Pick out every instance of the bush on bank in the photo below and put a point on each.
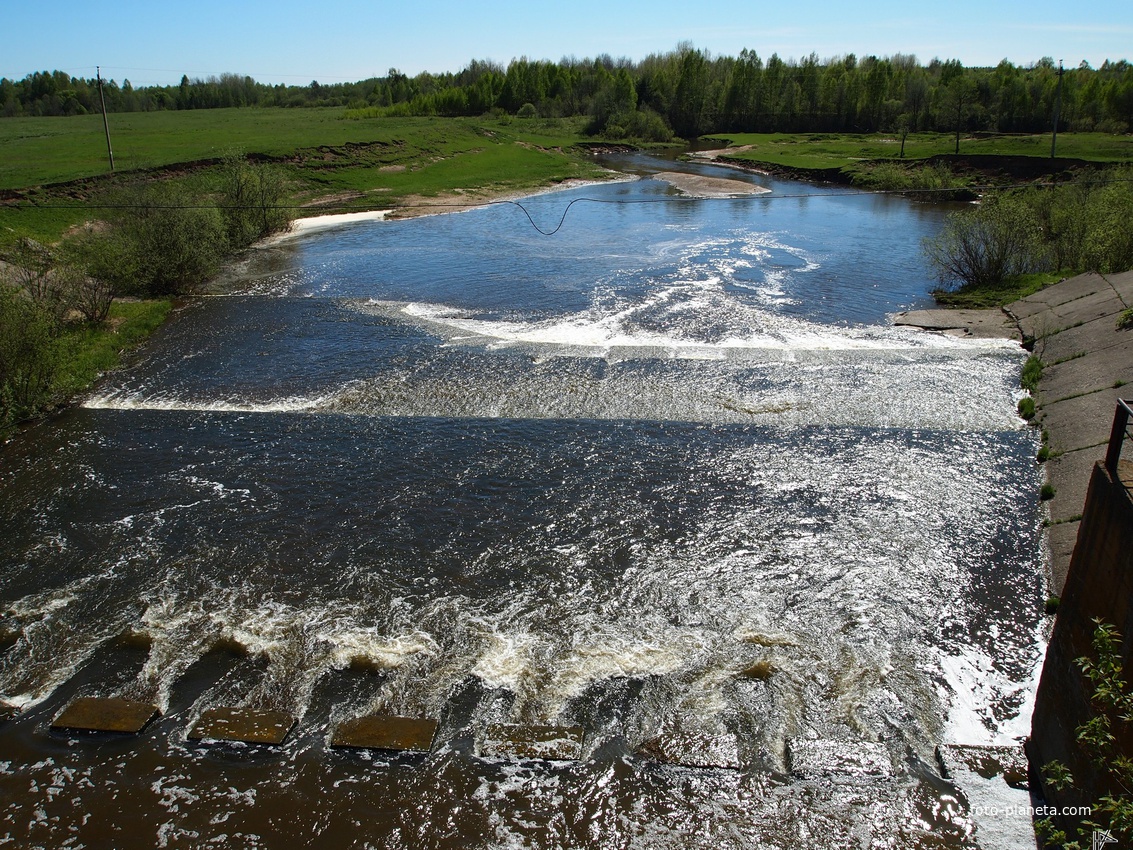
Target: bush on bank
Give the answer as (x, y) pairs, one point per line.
(158, 240)
(1071, 228)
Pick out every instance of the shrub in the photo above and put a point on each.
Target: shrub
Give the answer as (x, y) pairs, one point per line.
(162, 241)
(984, 246)
(1026, 408)
(252, 196)
(1104, 737)
(28, 360)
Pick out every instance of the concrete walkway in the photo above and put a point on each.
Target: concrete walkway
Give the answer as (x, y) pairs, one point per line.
(1087, 364)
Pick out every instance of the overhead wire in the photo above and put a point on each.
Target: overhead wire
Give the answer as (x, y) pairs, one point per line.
(468, 204)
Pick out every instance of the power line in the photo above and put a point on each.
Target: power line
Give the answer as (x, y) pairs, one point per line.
(464, 205)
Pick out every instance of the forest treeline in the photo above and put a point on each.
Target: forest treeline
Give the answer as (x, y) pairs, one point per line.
(685, 92)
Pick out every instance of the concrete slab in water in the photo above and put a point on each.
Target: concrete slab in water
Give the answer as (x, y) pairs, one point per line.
(403, 734)
(814, 759)
(106, 714)
(687, 750)
(252, 726)
(992, 323)
(8, 711)
(988, 761)
(550, 743)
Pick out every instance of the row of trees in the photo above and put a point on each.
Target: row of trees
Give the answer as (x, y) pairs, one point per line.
(158, 240)
(688, 91)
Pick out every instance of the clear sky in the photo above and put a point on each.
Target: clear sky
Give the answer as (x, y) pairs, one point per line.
(346, 40)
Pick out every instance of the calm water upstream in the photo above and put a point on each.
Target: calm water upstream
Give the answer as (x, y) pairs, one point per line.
(451, 468)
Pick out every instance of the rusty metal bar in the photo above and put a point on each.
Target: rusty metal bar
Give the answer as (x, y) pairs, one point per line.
(1118, 435)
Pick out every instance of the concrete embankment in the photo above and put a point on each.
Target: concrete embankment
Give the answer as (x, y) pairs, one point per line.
(1087, 365)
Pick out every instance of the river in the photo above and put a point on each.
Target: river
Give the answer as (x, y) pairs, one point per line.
(669, 476)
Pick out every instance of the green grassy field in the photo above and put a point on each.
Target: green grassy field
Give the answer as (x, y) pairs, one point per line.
(823, 150)
(331, 163)
(37, 151)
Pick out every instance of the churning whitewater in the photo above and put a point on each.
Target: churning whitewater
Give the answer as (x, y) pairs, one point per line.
(669, 477)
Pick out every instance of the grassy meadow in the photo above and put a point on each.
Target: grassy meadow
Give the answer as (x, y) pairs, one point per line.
(830, 150)
(331, 163)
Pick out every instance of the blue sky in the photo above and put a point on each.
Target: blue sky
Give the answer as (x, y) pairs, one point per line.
(293, 42)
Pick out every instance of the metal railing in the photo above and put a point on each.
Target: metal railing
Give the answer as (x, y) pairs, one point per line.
(1119, 435)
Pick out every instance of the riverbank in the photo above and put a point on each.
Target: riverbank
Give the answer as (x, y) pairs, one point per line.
(1072, 328)
(81, 354)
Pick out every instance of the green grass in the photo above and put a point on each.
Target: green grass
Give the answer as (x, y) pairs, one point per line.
(86, 352)
(37, 151)
(997, 294)
(329, 160)
(839, 150)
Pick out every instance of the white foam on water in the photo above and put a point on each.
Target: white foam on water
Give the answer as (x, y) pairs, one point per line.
(352, 645)
(605, 332)
(974, 693)
(116, 400)
(507, 661)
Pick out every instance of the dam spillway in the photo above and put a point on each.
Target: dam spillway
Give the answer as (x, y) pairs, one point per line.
(670, 479)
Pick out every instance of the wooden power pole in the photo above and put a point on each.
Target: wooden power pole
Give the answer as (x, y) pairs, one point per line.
(1057, 109)
(105, 123)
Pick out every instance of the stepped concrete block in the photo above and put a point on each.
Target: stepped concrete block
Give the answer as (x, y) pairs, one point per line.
(1100, 305)
(1097, 370)
(1123, 284)
(549, 743)
(106, 714)
(1062, 538)
(1081, 423)
(403, 734)
(252, 726)
(814, 759)
(1073, 343)
(1067, 290)
(1069, 474)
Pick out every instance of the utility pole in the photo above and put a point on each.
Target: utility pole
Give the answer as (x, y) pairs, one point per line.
(1057, 109)
(105, 123)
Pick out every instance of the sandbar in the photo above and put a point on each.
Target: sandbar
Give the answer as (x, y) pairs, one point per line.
(699, 186)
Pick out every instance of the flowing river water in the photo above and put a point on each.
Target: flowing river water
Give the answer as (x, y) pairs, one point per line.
(669, 476)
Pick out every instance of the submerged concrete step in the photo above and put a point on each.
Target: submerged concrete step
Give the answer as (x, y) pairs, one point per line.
(690, 750)
(988, 761)
(8, 711)
(386, 732)
(106, 714)
(249, 725)
(813, 759)
(520, 741)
